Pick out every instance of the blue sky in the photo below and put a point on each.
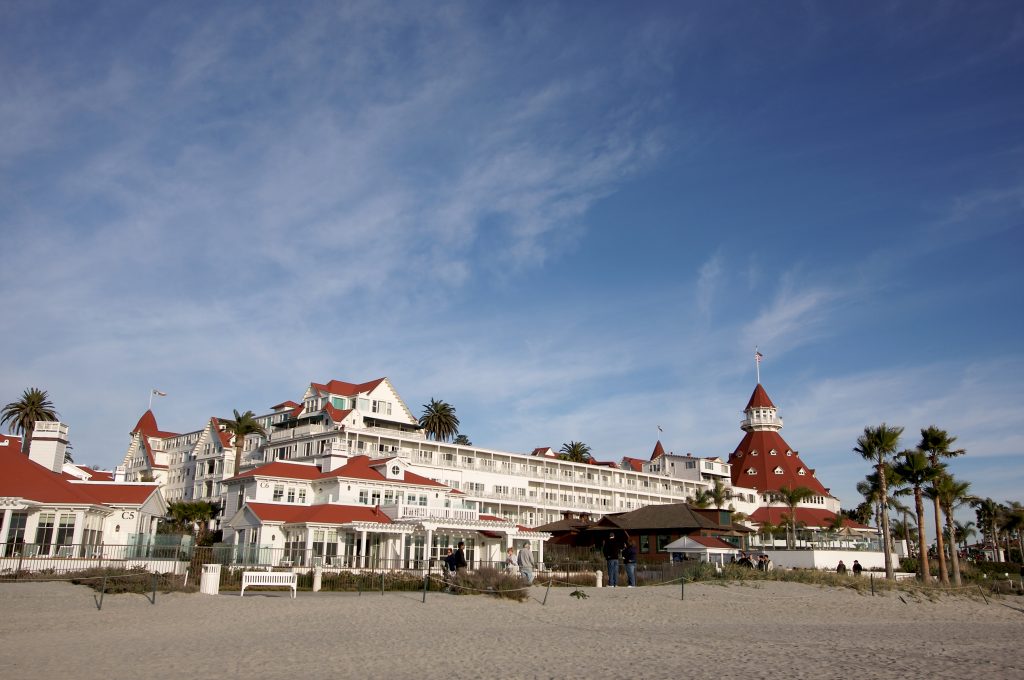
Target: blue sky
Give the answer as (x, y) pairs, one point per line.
(572, 221)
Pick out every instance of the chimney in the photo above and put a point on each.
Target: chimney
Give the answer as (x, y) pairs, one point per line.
(119, 473)
(49, 444)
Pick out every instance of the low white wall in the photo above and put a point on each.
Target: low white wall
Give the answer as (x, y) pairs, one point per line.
(825, 559)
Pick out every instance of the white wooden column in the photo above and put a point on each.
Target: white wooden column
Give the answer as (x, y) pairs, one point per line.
(362, 550)
(4, 528)
(76, 536)
(309, 546)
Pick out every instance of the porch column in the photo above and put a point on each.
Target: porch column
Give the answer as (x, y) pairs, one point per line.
(540, 552)
(76, 536)
(362, 550)
(430, 546)
(308, 555)
(5, 526)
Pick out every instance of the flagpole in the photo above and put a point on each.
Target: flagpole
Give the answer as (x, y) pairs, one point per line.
(757, 364)
(151, 399)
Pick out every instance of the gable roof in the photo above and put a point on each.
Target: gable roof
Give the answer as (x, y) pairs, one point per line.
(635, 464)
(282, 469)
(317, 514)
(11, 442)
(669, 516)
(357, 467)
(658, 452)
(147, 426)
(347, 389)
(118, 493)
(20, 477)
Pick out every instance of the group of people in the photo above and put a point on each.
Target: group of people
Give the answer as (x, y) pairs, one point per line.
(857, 569)
(520, 563)
(454, 563)
(615, 549)
(760, 562)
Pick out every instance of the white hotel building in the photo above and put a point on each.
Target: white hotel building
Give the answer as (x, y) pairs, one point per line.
(338, 422)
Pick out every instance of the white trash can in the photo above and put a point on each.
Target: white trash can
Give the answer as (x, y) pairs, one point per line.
(209, 583)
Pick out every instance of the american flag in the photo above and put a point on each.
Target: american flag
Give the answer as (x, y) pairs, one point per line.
(158, 393)
(758, 356)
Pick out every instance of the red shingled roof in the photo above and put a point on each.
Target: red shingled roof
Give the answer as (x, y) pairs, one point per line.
(812, 517)
(10, 442)
(658, 451)
(635, 464)
(709, 541)
(20, 477)
(759, 399)
(765, 465)
(147, 426)
(283, 470)
(347, 389)
(317, 514)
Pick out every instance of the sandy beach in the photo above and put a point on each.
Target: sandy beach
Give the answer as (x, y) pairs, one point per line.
(758, 630)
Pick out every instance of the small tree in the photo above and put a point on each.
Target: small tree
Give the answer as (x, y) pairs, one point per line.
(244, 424)
(439, 420)
(575, 452)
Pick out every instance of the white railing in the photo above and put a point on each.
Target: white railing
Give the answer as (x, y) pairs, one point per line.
(404, 511)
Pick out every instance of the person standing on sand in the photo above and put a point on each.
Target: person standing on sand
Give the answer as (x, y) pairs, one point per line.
(526, 563)
(857, 568)
(629, 559)
(841, 569)
(459, 562)
(611, 556)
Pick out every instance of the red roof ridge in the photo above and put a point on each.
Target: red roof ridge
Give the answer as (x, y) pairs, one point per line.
(759, 399)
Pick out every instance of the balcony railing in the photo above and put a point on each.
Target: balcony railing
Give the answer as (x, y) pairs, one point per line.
(405, 511)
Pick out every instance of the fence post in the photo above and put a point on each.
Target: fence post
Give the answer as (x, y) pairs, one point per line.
(872, 585)
(682, 588)
(426, 584)
(153, 601)
(382, 584)
(546, 592)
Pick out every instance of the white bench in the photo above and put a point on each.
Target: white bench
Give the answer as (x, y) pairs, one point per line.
(284, 579)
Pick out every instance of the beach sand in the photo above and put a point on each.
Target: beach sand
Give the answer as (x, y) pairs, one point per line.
(758, 630)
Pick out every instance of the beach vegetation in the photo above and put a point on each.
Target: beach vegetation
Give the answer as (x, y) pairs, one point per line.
(20, 416)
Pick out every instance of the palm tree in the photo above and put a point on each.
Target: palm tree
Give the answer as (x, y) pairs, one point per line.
(701, 499)
(951, 494)
(965, 531)
(719, 494)
(988, 514)
(878, 445)
(575, 452)
(243, 424)
(793, 497)
(937, 445)
(915, 471)
(1014, 526)
(439, 420)
(769, 530)
(193, 517)
(462, 440)
(21, 416)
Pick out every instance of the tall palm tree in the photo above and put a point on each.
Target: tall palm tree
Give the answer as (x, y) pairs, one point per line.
(21, 416)
(793, 497)
(916, 472)
(439, 420)
(243, 424)
(951, 494)
(938, 446)
(575, 452)
(871, 489)
(462, 440)
(878, 445)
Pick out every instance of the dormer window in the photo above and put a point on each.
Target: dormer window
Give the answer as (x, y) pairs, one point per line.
(395, 470)
(788, 454)
(778, 470)
(753, 453)
(801, 472)
(751, 471)
(773, 452)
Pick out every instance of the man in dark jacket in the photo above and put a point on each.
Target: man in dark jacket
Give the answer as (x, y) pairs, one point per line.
(611, 549)
(459, 563)
(629, 559)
